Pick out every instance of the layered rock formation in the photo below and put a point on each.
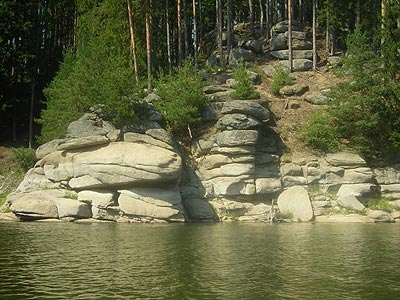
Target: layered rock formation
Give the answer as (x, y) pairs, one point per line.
(101, 173)
(301, 44)
(235, 171)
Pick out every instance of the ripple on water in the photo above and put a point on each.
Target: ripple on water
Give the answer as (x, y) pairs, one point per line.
(199, 261)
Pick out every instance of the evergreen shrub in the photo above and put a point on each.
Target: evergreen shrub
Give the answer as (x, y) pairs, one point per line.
(182, 98)
(320, 133)
(280, 79)
(244, 87)
(365, 110)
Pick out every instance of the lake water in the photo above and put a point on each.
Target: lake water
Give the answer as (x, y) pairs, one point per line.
(199, 261)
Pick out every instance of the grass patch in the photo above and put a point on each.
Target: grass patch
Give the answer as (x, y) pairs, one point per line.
(284, 215)
(231, 215)
(382, 204)
(280, 79)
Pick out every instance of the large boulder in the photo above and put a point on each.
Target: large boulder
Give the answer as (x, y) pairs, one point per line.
(44, 204)
(116, 164)
(345, 160)
(268, 185)
(133, 206)
(284, 54)
(233, 186)
(283, 26)
(295, 201)
(247, 107)
(145, 139)
(199, 209)
(231, 138)
(350, 202)
(299, 65)
(72, 208)
(167, 196)
(358, 190)
(70, 144)
(238, 56)
(237, 121)
(35, 180)
(97, 198)
(279, 42)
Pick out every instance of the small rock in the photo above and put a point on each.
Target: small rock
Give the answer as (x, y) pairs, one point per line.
(380, 216)
(334, 61)
(269, 70)
(318, 99)
(294, 105)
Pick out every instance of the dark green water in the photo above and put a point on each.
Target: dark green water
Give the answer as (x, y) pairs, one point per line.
(199, 261)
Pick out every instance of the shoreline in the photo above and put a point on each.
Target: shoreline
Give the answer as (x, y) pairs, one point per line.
(331, 219)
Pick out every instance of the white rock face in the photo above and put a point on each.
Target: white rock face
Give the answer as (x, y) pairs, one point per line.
(72, 208)
(136, 207)
(113, 165)
(100, 199)
(357, 190)
(166, 196)
(295, 201)
(47, 204)
(345, 159)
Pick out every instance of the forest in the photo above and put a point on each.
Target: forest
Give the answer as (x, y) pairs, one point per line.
(58, 58)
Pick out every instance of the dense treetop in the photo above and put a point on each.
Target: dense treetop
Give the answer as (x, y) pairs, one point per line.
(101, 49)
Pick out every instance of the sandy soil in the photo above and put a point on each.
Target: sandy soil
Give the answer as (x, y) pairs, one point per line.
(290, 113)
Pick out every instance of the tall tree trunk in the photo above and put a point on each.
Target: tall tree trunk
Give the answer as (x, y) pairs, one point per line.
(290, 35)
(185, 27)
(218, 5)
(179, 33)
(133, 45)
(229, 25)
(261, 17)
(31, 114)
(383, 16)
(169, 58)
(148, 45)
(301, 13)
(194, 33)
(251, 16)
(267, 18)
(358, 13)
(314, 34)
(327, 34)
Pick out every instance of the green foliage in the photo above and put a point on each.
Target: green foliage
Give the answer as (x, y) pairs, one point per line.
(231, 215)
(321, 133)
(99, 72)
(3, 198)
(366, 107)
(280, 79)
(382, 204)
(24, 158)
(182, 98)
(284, 215)
(244, 87)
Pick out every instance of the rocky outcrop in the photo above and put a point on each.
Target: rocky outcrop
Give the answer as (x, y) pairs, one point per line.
(301, 45)
(235, 171)
(97, 172)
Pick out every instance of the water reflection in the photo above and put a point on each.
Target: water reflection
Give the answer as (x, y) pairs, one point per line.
(199, 261)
